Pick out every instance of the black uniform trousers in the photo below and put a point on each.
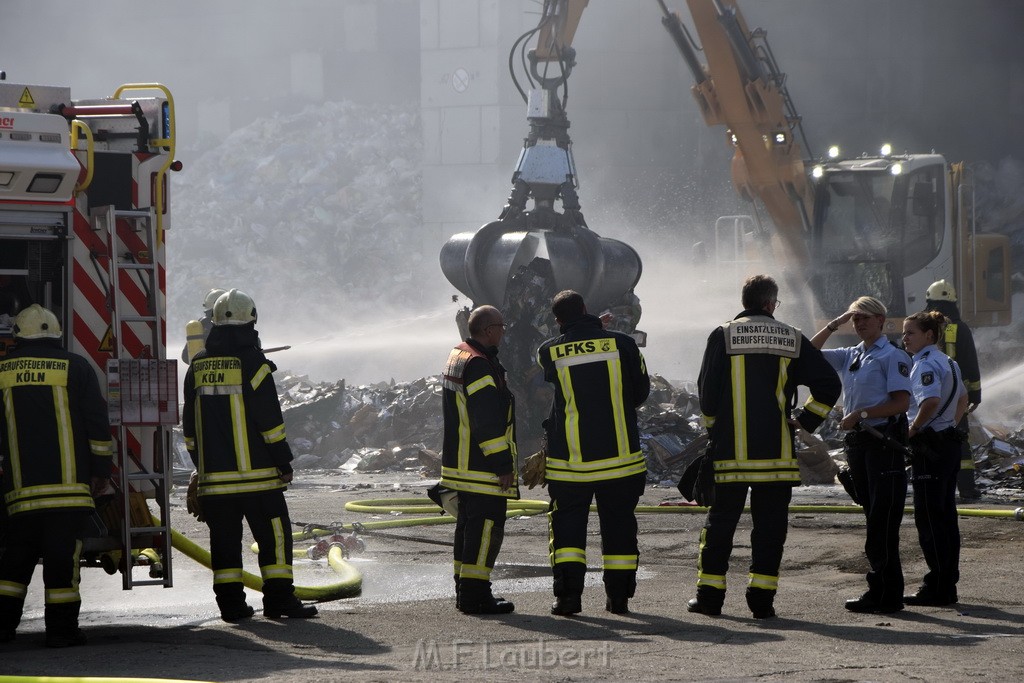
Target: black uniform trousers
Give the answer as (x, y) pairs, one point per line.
(56, 538)
(965, 476)
(267, 517)
(479, 531)
(880, 478)
(769, 512)
(938, 530)
(568, 514)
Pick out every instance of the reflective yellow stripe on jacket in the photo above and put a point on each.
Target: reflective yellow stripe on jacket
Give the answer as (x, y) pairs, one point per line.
(744, 468)
(577, 468)
(222, 377)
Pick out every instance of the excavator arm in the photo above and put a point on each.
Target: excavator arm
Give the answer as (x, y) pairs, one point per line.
(741, 88)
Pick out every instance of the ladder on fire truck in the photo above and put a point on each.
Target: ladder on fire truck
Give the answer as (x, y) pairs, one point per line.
(142, 391)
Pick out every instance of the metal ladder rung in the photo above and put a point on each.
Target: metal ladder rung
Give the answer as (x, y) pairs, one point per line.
(131, 213)
(142, 476)
(121, 264)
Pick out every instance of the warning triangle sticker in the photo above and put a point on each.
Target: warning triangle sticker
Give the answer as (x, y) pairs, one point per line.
(26, 99)
(107, 345)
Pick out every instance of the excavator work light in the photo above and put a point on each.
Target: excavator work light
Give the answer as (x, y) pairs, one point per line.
(780, 138)
(817, 171)
(896, 169)
(833, 152)
(886, 149)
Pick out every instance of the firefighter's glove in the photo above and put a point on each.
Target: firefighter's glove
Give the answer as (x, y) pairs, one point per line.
(535, 468)
(192, 503)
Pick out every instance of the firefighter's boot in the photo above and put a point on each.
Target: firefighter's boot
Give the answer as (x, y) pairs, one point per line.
(61, 621)
(10, 617)
(568, 588)
(709, 601)
(761, 603)
(231, 601)
(279, 601)
(475, 597)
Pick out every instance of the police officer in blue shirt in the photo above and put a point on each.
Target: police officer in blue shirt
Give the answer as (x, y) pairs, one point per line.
(876, 390)
(938, 403)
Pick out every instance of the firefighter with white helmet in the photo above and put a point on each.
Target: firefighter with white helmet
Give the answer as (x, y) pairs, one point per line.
(234, 308)
(235, 435)
(55, 436)
(959, 345)
(196, 331)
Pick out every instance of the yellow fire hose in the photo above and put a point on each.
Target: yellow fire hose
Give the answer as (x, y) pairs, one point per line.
(518, 508)
(349, 585)
(89, 679)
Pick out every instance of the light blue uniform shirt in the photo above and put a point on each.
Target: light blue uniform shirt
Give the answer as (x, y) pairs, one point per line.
(875, 373)
(932, 377)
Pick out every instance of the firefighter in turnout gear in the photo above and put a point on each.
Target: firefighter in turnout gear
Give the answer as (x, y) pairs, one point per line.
(58, 452)
(748, 380)
(958, 344)
(478, 458)
(593, 451)
(235, 435)
(196, 331)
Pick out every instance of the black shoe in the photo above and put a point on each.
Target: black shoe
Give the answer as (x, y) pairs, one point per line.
(761, 602)
(567, 605)
(6, 636)
(489, 605)
(298, 611)
(236, 614)
(65, 639)
(925, 597)
(866, 605)
(617, 605)
(698, 607)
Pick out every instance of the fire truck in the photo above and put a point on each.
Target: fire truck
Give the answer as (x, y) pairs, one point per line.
(83, 218)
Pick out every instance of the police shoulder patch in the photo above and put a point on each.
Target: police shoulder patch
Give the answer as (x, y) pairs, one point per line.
(904, 369)
(927, 378)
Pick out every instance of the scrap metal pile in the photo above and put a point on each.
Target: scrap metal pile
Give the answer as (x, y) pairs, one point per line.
(391, 427)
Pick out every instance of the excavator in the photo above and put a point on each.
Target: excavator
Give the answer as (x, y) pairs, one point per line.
(885, 225)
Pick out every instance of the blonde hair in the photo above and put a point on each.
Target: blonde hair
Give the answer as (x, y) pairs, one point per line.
(869, 305)
(930, 321)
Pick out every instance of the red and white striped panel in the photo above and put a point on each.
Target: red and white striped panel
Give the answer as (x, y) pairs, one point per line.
(91, 293)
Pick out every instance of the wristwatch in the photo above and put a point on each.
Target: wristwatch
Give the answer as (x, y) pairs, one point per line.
(863, 414)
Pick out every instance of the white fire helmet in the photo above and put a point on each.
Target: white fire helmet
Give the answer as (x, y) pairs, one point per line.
(211, 298)
(36, 322)
(941, 291)
(234, 308)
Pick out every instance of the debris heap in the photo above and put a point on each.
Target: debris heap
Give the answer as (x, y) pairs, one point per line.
(391, 427)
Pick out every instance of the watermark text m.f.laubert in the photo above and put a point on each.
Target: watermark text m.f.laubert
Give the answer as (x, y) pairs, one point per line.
(535, 655)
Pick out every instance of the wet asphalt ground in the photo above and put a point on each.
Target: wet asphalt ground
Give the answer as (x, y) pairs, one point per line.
(405, 626)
